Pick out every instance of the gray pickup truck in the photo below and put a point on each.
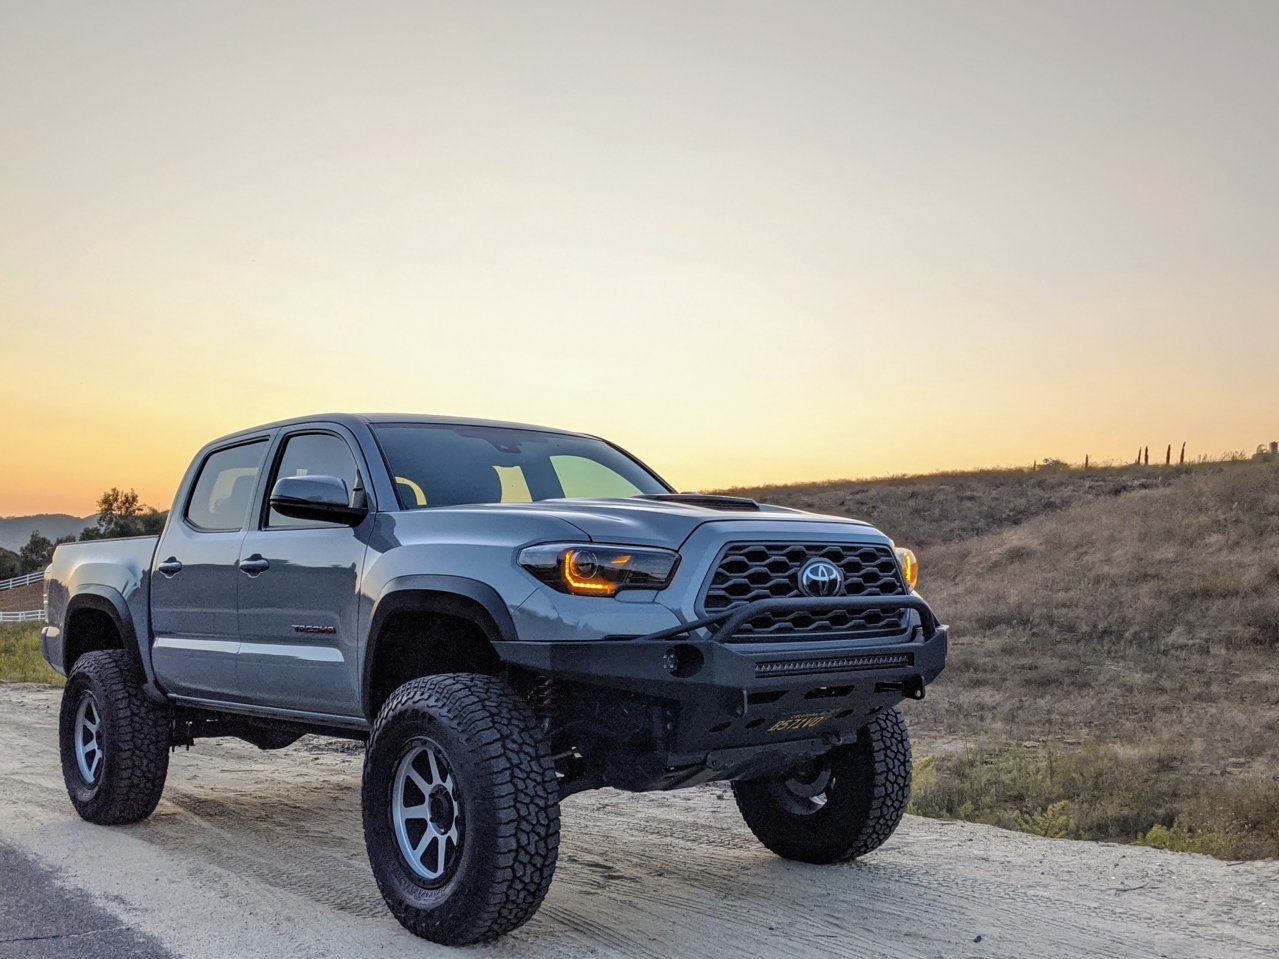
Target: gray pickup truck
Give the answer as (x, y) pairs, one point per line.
(506, 615)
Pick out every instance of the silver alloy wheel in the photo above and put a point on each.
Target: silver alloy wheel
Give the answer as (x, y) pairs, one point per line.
(88, 738)
(425, 812)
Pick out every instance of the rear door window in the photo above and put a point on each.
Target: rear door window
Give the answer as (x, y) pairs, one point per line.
(223, 491)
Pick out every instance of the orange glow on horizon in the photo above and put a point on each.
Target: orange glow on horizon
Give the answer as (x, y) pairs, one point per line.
(852, 243)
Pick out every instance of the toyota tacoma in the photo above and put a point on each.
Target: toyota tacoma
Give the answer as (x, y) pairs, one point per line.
(505, 615)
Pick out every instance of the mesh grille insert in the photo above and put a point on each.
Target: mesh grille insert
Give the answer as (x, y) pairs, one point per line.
(752, 571)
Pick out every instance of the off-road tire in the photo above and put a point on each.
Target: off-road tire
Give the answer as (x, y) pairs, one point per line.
(507, 798)
(133, 738)
(869, 788)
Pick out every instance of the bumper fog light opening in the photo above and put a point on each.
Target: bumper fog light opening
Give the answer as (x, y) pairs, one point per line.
(683, 660)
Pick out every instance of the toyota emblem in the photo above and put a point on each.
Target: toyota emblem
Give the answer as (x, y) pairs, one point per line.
(821, 577)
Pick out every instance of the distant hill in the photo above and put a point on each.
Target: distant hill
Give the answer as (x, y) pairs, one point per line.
(16, 530)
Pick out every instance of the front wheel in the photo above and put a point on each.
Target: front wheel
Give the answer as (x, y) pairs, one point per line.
(461, 808)
(114, 741)
(838, 807)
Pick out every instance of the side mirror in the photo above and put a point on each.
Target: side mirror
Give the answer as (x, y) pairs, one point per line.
(323, 498)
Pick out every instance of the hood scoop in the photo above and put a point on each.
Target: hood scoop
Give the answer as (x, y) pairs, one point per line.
(739, 504)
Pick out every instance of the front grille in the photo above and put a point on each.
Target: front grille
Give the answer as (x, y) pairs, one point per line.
(751, 571)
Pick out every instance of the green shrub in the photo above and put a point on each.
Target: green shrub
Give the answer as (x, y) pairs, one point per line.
(1181, 837)
(1052, 822)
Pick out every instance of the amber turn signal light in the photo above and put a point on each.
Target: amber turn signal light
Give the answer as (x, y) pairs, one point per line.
(910, 566)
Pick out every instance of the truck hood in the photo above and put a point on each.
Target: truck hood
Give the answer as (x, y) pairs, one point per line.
(645, 522)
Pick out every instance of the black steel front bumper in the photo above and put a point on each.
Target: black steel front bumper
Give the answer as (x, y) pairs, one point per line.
(675, 663)
(693, 703)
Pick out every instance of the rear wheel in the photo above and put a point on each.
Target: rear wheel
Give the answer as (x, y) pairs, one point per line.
(838, 807)
(461, 808)
(114, 741)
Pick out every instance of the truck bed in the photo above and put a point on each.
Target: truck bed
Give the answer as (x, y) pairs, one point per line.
(117, 570)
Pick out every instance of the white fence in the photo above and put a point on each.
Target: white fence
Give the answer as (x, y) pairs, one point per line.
(35, 615)
(37, 577)
(27, 616)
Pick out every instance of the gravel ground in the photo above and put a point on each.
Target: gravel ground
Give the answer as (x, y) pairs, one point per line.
(260, 854)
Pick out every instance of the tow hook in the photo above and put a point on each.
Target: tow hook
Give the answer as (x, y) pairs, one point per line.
(911, 688)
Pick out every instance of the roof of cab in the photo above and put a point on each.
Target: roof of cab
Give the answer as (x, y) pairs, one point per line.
(381, 419)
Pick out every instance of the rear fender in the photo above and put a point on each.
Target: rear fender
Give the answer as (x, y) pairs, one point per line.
(108, 601)
(105, 600)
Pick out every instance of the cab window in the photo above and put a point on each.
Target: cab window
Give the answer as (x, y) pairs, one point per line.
(223, 491)
(313, 454)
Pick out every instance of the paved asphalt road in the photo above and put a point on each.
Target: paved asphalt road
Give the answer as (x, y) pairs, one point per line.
(41, 918)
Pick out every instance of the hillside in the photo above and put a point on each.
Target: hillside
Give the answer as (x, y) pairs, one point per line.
(23, 599)
(920, 511)
(16, 530)
(1115, 664)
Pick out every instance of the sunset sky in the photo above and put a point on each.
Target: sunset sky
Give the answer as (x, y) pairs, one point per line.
(752, 242)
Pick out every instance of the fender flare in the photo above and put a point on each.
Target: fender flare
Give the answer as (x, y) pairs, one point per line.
(104, 599)
(458, 596)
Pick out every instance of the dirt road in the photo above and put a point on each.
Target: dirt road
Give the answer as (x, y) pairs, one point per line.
(260, 854)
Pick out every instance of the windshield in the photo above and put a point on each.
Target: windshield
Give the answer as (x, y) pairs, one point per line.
(442, 465)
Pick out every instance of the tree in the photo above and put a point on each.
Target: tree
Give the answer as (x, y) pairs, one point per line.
(115, 509)
(121, 514)
(36, 554)
(10, 564)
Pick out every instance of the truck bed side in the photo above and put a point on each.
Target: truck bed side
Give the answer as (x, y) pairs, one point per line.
(106, 577)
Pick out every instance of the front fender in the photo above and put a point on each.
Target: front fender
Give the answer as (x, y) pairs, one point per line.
(428, 592)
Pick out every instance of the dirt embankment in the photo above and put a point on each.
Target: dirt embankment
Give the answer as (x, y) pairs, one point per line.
(23, 599)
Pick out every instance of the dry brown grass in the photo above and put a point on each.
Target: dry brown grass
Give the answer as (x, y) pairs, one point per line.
(1133, 612)
(921, 511)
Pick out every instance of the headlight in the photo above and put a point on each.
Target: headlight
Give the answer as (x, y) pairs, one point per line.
(910, 566)
(589, 570)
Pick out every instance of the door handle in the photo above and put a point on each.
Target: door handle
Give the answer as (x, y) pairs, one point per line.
(254, 564)
(170, 567)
